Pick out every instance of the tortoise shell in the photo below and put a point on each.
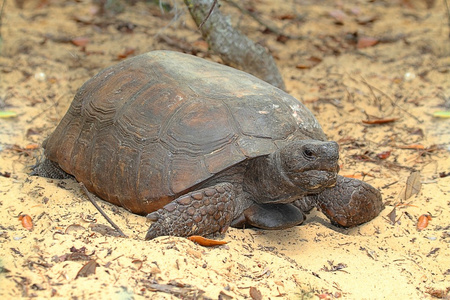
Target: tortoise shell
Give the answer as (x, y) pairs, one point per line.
(151, 128)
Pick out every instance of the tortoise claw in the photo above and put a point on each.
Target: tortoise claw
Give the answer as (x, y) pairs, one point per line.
(154, 216)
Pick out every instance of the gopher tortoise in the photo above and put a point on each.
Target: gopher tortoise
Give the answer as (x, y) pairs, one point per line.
(199, 147)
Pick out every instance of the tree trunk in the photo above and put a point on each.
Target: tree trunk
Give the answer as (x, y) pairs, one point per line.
(233, 47)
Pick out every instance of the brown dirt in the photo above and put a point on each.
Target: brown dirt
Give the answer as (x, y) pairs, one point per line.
(405, 76)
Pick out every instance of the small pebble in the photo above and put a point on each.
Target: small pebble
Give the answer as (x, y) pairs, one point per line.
(40, 76)
(409, 76)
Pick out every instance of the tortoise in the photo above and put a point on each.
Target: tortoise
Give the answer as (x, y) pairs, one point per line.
(198, 146)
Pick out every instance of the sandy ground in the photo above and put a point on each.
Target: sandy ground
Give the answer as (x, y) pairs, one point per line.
(405, 77)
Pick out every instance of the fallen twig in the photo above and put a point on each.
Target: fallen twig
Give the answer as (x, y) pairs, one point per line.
(88, 194)
(209, 14)
(178, 43)
(393, 103)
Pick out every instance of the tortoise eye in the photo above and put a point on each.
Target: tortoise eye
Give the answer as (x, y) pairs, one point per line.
(309, 154)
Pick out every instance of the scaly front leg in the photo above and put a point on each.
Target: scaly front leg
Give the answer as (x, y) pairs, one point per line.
(200, 212)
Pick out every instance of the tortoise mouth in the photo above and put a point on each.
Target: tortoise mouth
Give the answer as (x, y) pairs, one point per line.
(315, 181)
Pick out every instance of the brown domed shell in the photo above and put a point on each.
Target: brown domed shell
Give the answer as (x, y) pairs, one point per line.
(142, 132)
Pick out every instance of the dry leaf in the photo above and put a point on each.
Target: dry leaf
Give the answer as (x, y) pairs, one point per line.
(393, 216)
(255, 293)
(33, 146)
(309, 63)
(85, 19)
(137, 263)
(74, 228)
(379, 121)
(205, 242)
(175, 289)
(365, 42)
(384, 154)
(127, 52)
(365, 19)
(359, 175)
(438, 293)
(422, 223)
(80, 41)
(280, 283)
(413, 146)
(287, 17)
(372, 254)
(27, 222)
(104, 230)
(338, 15)
(87, 269)
(413, 185)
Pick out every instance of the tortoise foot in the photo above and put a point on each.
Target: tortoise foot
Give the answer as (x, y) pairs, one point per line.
(200, 212)
(350, 202)
(49, 169)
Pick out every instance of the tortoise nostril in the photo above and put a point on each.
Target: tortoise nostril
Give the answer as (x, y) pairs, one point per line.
(330, 150)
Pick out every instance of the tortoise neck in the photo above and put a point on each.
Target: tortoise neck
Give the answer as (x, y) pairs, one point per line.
(266, 181)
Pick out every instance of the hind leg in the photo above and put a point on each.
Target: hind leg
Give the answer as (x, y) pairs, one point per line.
(49, 169)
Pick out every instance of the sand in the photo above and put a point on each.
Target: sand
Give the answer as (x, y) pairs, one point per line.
(404, 76)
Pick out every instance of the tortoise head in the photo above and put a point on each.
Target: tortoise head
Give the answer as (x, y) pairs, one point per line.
(310, 165)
